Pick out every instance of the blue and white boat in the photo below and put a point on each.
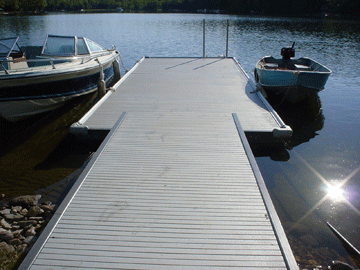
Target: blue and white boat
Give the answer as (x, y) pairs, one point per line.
(37, 79)
(290, 79)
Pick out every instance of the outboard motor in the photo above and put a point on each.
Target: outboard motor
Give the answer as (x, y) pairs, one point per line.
(288, 52)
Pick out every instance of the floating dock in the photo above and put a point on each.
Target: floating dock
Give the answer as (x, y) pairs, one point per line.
(174, 185)
(185, 85)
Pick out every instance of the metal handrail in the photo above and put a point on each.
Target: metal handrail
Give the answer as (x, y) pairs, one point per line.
(2, 66)
(227, 38)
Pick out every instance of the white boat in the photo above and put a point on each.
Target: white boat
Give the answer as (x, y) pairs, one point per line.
(291, 79)
(35, 79)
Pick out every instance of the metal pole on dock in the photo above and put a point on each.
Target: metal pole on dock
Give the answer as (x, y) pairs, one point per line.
(203, 37)
(227, 37)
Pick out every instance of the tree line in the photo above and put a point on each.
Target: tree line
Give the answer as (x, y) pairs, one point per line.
(244, 7)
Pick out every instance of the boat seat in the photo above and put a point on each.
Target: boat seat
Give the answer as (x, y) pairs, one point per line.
(18, 63)
(271, 65)
(302, 67)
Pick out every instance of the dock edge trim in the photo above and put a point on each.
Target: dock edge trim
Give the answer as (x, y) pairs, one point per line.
(45, 234)
(283, 130)
(274, 218)
(79, 128)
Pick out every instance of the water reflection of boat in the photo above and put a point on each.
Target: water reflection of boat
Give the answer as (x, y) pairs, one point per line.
(35, 79)
(305, 118)
(38, 152)
(291, 79)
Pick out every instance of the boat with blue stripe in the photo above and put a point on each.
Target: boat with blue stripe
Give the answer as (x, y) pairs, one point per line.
(36, 79)
(291, 79)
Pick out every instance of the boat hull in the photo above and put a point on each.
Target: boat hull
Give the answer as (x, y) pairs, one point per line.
(291, 85)
(40, 91)
(18, 110)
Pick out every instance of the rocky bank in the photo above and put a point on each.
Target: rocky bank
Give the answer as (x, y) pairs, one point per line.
(21, 220)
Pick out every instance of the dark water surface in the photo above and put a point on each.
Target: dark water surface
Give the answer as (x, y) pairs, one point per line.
(320, 180)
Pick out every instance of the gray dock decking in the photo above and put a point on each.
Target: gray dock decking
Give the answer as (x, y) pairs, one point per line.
(169, 188)
(210, 85)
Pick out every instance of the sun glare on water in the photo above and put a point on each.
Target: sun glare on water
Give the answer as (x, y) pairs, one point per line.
(335, 193)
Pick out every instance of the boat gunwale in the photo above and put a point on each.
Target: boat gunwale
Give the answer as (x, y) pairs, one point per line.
(56, 68)
(263, 59)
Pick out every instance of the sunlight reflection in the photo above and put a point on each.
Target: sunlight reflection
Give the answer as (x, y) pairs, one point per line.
(334, 192)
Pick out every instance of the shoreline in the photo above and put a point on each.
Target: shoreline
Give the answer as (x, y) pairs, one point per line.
(327, 16)
(21, 221)
(23, 218)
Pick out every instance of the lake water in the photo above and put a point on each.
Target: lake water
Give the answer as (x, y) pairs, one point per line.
(325, 150)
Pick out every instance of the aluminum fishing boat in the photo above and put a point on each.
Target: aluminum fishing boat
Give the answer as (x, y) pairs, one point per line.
(37, 79)
(290, 79)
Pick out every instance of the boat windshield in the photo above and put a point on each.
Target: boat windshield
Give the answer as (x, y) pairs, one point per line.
(7, 45)
(69, 46)
(60, 46)
(93, 46)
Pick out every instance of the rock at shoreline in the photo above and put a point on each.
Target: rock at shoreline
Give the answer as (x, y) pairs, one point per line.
(6, 248)
(13, 217)
(26, 223)
(15, 242)
(5, 211)
(35, 211)
(48, 207)
(4, 224)
(21, 219)
(25, 201)
(16, 209)
(30, 232)
(6, 235)
(30, 239)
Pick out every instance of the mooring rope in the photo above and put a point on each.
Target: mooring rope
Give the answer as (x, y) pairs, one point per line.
(126, 70)
(287, 91)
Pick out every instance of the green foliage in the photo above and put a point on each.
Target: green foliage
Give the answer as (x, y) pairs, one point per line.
(263, 7)
(351, 7)
(12, 5)
(33, 5)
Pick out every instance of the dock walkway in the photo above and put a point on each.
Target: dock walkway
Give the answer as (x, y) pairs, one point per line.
(171, 187)
(198, 85)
